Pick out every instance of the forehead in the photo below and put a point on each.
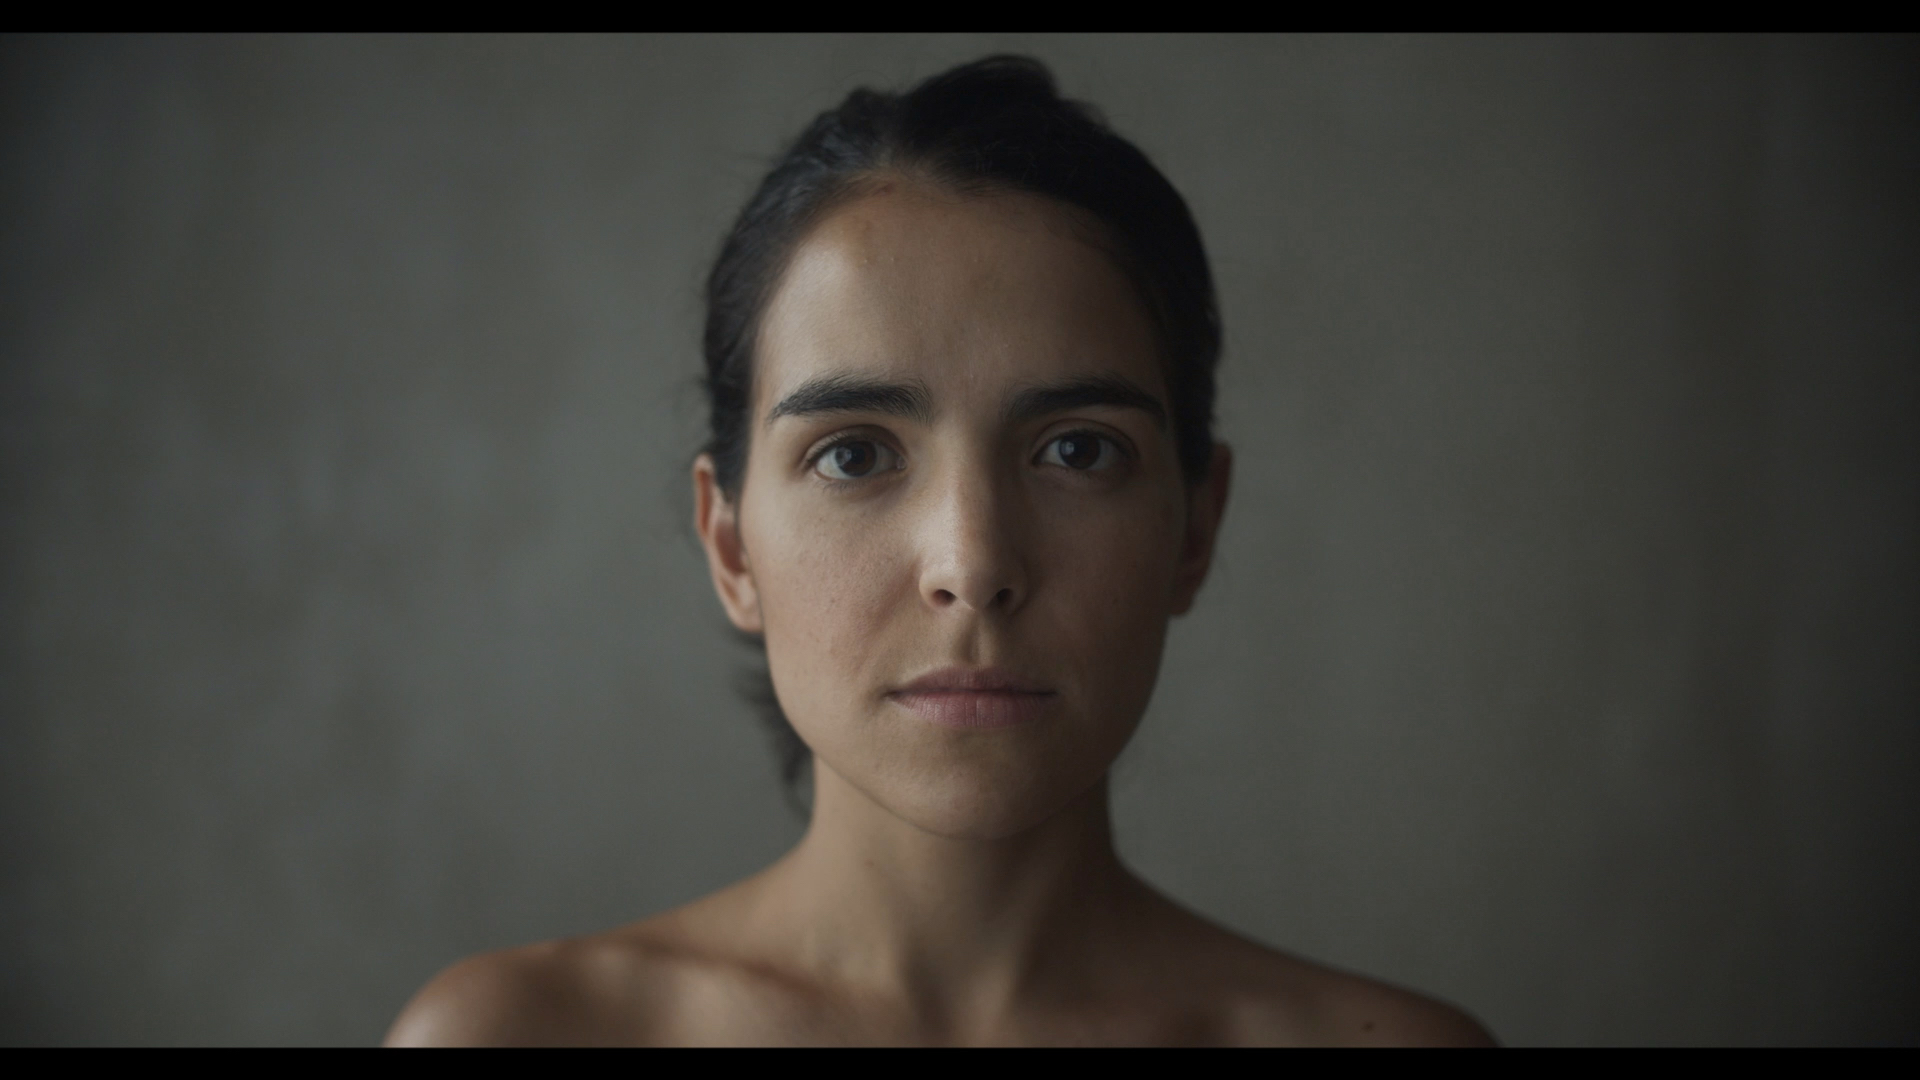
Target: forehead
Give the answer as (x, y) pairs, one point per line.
(973, 295)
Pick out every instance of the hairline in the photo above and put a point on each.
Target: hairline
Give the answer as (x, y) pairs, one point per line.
(1082, 225)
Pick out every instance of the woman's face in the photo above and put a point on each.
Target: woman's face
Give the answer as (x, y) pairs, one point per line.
(963, 524)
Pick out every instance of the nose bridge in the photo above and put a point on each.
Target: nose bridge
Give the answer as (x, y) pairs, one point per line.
(971, 553)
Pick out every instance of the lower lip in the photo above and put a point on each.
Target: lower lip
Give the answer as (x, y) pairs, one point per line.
(975, 708)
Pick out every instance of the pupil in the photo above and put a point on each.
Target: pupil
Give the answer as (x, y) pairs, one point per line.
(1079, 451)
(853, 459)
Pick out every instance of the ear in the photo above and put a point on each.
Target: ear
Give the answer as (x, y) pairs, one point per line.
(1206, 505)
(717, 520)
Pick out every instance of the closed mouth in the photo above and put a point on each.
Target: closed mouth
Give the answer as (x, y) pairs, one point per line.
(957, 697)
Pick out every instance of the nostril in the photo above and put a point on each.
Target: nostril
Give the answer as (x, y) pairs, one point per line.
(1003, 598)
(942, 596)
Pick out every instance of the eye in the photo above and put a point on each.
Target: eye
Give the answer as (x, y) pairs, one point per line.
(855, 459)
(1082, 451)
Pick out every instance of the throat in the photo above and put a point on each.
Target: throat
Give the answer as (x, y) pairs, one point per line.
(953, 926)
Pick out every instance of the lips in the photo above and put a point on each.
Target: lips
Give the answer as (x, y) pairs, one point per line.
(957, 697)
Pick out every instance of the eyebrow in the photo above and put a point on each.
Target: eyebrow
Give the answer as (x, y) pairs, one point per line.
(855, 393)
(1110, 390)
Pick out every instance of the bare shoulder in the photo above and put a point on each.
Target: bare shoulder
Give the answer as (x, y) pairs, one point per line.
(1298, 1001)
(1357, 1011)
(1261, 996)
(677, 978)
(583, 991)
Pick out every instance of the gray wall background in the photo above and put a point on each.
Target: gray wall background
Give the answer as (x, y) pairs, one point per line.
(1561, 658)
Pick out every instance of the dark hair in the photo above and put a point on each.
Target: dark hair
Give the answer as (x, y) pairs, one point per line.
(996, 124)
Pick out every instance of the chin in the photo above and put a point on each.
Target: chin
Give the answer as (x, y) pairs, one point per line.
(973, 815)
(982, 800)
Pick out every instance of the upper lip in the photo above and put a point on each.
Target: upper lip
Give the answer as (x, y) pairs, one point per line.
(971, 680)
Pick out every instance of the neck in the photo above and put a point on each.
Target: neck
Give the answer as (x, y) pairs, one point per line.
(953, 926)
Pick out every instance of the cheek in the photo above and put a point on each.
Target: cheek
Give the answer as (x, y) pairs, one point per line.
(1115, 562)
(1106, 593)
(828, 581)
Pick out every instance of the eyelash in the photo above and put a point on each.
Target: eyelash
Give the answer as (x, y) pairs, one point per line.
(842, 439)
(1119, 445)
(813, 458)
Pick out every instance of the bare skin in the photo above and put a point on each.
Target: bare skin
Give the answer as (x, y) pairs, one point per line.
(962, 531)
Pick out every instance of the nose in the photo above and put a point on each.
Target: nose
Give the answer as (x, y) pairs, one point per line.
(970, 555)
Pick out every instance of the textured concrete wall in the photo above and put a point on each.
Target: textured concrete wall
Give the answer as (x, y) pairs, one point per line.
(1561, 658)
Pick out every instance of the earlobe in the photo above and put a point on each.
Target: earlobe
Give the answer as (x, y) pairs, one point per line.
(717, 520)
(1206, 506)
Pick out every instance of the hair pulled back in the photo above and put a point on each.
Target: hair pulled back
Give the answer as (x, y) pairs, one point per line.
(996, 124)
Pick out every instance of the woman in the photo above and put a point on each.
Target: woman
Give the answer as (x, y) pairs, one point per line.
(960, 351)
